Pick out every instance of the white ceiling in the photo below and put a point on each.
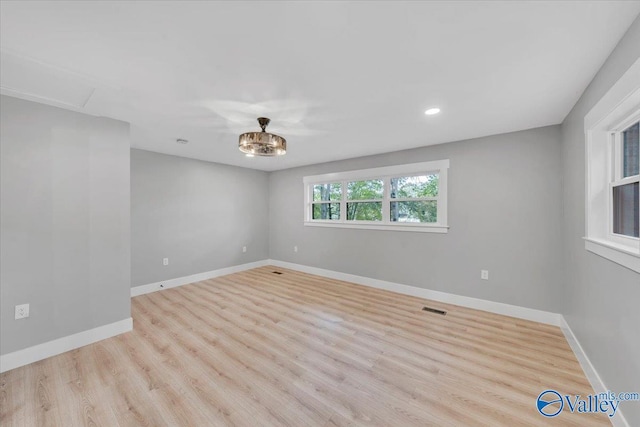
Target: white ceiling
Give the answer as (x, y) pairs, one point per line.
(338, 79)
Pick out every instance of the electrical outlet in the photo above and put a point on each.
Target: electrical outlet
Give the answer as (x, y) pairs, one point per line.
(244, 249)
(484, 274)
(165, 261)
(22, 311)
(295, 249)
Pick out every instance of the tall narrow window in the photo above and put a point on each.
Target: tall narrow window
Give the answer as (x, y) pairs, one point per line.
(631, 151)
(612, 130)
(624, 201)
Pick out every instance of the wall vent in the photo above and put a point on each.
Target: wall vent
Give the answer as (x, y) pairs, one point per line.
(434, 310)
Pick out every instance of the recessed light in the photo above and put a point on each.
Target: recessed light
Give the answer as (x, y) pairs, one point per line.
(249, 155)
(432, 111)
(182, 141)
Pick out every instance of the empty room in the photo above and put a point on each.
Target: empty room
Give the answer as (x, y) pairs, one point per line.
(320, 213)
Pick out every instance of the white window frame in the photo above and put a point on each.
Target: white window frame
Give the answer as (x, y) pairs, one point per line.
(385, 174)
(616, 111)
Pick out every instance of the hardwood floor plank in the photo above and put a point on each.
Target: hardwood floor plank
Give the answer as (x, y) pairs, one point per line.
(42, 401)
(12, 398)
(255, 348)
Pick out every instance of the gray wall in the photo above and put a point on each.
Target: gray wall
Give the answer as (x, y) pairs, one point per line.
(64, 226)
(198, 214)
(602, 299)
(504, 214)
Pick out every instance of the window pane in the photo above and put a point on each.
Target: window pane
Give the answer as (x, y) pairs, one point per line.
(364, 211)
(326, 211)
(327, 192)
(364, 190)
(414, 186)
(424, 211)
(631, 151)
(625, 210)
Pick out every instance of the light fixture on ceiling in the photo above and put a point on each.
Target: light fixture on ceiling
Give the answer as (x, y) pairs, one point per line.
(262, 143)
(432, 111)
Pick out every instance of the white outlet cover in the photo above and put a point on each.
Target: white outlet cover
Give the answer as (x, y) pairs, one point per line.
(244, 249)
(295, 249)
(165, 261)
(22, 311)
(484, 274)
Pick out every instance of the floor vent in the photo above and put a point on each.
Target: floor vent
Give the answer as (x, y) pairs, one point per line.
(276, 272)
(434, 310)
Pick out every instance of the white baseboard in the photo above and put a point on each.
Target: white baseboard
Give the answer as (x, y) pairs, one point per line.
(61, 345)
(475, 303)
(180, 281)
(590, 372)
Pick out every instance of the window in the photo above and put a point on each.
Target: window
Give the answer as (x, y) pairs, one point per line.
(326, 201)
(625, 186)
(364, 200)
(612, 130)
(409, 197)
(415, 198)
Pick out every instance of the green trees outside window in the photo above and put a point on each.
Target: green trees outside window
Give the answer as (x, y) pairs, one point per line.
(414, 187)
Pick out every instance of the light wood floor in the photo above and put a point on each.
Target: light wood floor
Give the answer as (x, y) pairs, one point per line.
(261, 349)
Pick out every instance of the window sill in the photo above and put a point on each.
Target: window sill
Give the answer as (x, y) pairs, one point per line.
(384, 227)
(626, 256)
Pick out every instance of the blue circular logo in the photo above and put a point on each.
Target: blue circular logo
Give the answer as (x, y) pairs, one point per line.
(550, 403)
